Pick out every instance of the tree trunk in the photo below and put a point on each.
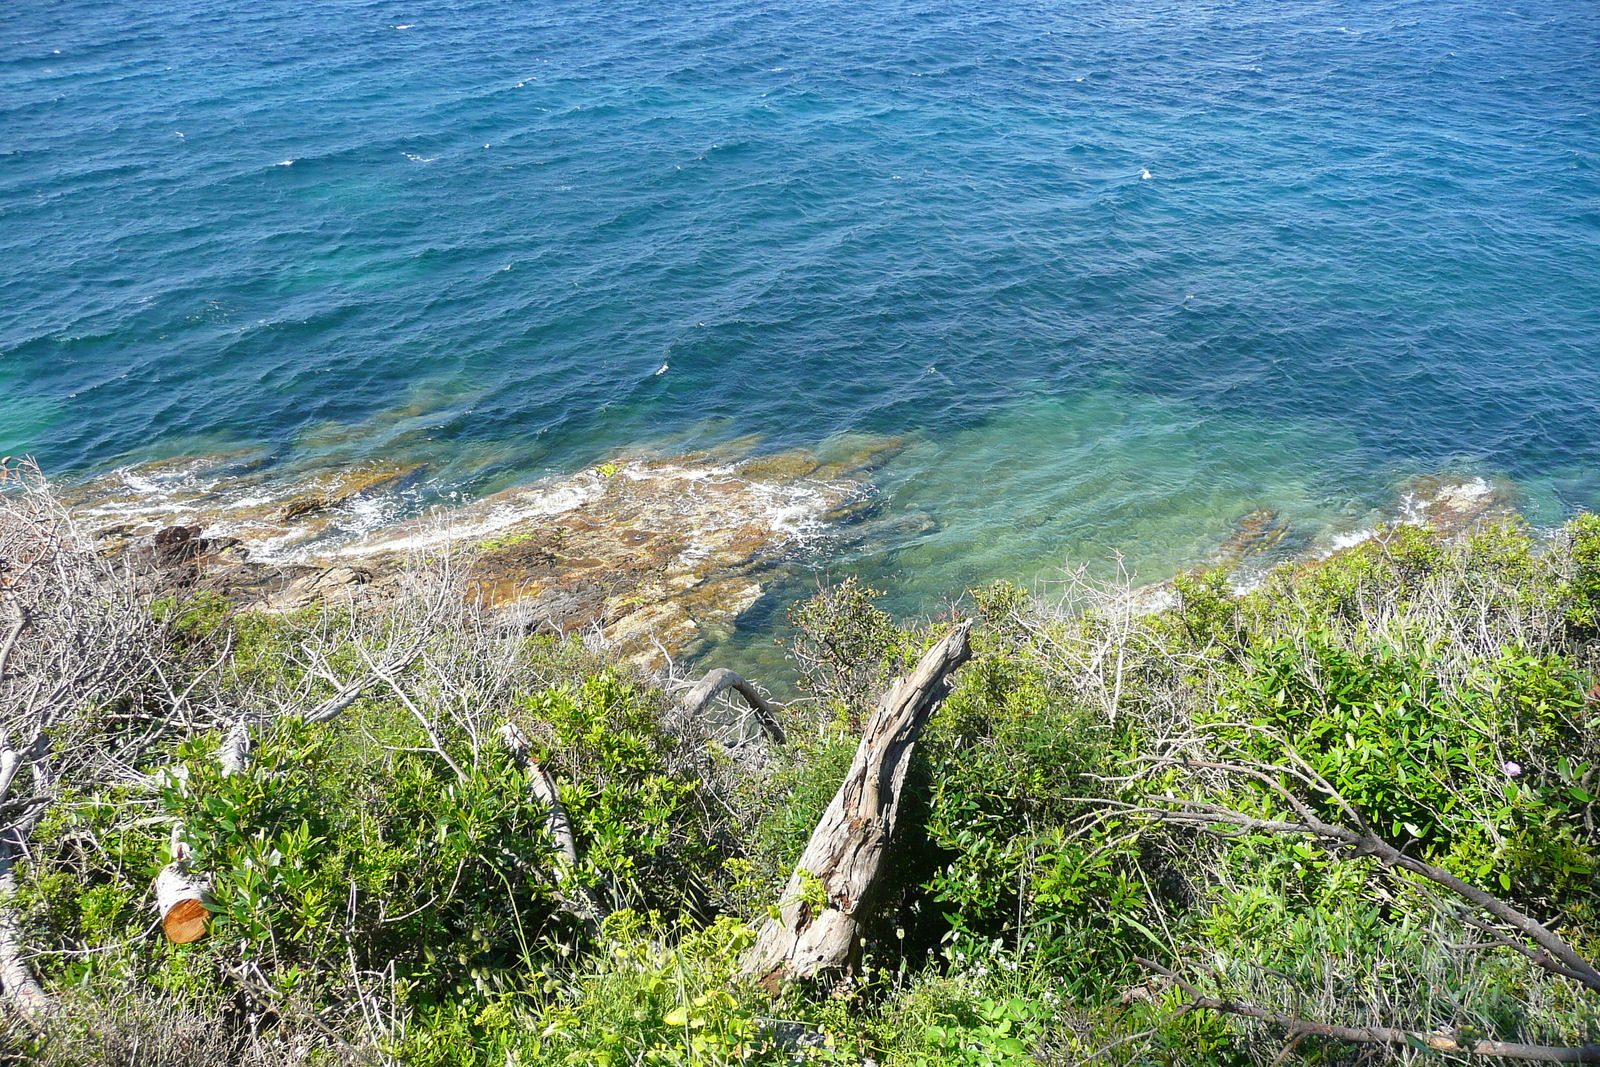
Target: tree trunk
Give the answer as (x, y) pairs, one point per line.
(180, 898)
(828, 897)
(235, 752)
(17, 984)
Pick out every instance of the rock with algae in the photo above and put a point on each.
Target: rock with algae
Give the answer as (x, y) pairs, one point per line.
(658, 555)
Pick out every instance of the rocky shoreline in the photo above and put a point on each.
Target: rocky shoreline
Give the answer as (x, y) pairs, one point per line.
(655, 556)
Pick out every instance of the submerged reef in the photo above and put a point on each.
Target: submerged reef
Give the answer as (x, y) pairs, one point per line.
(654, 556)
(657, 556)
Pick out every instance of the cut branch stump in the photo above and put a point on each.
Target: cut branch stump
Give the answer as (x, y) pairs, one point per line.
(180, 898)
(847, 848)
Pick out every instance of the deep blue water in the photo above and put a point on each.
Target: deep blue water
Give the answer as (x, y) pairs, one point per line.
(1122, 271)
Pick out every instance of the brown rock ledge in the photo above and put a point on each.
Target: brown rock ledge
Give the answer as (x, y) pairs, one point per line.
(658, 556)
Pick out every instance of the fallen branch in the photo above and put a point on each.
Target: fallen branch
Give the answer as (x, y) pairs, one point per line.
(576, 899)
(1377, 1035)
(842, 861)
(719, 681)
(180, 897)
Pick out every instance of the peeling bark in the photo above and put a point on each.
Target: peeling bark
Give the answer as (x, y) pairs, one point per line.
(846, 850)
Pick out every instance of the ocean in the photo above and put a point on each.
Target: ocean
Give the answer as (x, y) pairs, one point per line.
(1113, 275)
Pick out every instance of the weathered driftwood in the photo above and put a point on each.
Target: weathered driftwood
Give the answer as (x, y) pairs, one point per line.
(576, 899)
(180, 897)
(719, 681)
(842, 861)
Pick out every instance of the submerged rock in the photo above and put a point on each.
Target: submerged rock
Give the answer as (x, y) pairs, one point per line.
(1260, 531)
(276, 517)
(659, 556)
(1454, 506)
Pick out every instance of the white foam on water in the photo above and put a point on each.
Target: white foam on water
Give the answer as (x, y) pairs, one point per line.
(1457, 496)
(793, 512)
(1417, 509)
(138, 484)
(440, 530)
(1339, 542)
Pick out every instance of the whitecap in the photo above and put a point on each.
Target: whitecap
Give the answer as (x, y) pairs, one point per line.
(1144, 174)
(1339, 542)
(138, 483)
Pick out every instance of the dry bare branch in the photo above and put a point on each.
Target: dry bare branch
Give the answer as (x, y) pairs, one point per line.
(1376, 1035)
(719, 681)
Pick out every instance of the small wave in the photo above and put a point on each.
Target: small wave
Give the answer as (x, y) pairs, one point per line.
(137, 483)
(477, 523)
(1340, 542)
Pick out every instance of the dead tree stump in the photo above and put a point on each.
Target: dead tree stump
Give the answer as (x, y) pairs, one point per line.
(842, 861)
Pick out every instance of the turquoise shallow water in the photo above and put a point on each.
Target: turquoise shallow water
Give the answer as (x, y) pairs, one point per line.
(1121, 273)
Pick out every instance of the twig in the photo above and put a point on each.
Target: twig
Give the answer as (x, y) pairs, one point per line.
(21, 623)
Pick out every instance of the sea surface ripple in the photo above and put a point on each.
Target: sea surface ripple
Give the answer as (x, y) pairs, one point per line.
(1119, 272)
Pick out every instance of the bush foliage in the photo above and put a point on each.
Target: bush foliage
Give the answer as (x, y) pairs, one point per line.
(386, 887)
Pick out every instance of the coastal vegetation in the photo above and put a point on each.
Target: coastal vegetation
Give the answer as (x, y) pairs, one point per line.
(1346, 816)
